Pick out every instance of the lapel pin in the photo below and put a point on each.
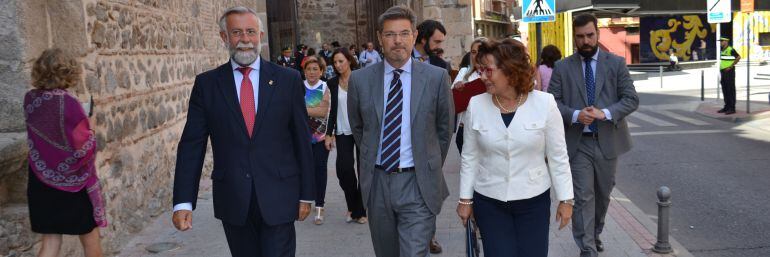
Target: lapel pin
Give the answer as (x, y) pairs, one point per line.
(270, 82)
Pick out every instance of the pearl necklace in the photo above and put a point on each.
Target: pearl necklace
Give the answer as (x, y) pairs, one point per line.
(518, 104)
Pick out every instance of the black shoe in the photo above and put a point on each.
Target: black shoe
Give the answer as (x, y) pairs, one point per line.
(599, 246)
(435, 247)
(728, 112)
(723, 110)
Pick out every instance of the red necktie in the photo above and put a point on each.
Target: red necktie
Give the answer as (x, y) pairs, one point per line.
(247, 100)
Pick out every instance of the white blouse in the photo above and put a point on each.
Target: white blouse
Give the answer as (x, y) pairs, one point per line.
(343, 126)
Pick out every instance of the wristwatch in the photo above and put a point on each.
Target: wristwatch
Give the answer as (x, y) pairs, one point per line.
(570, 202)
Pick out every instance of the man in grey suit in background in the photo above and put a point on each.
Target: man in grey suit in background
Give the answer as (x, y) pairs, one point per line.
(595, 93)
(401, 114)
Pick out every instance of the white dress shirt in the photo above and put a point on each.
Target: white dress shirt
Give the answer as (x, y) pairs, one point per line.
(508, 163)
(607, 114)
(406, 160)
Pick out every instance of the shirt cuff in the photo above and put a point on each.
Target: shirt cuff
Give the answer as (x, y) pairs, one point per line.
(607, 114)
(306, 201)
(575, 116)
(183, 207)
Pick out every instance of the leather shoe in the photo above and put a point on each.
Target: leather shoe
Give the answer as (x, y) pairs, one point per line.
(599, 246)
(728, 112)
(723, 110)
(435, 247)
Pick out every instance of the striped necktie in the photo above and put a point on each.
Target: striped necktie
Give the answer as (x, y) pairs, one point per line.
(391, 132)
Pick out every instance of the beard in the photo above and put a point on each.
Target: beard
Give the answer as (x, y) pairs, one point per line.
(245, 57)
(398, 57)
(588, 51)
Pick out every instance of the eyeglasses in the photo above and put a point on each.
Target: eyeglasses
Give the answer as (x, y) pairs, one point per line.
(240, 33)
(392, 35)
(486, 70)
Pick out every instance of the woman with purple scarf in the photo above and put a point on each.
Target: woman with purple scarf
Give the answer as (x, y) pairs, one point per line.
(63, 189)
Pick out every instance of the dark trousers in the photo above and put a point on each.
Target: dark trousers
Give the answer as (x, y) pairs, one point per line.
(728, 88)
(255, 238)
(514, 228)
(346, 173)
(320, 157)
(459, 139)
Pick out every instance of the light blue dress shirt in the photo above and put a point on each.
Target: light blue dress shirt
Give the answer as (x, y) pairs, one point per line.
(594, 60)
(406, 160)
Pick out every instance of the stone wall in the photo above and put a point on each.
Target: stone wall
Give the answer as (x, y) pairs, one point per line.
(324, 21)
(140, 58)
(457, 17)
(11, 65)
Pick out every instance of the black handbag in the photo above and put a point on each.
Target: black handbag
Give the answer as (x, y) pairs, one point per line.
(471, 242)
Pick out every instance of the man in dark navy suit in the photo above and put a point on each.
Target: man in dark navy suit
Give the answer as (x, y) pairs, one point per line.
(254, 113)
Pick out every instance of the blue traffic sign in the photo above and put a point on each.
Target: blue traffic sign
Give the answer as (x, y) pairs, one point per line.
(538, 10)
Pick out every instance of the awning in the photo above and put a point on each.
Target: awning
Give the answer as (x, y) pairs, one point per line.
(624, 8)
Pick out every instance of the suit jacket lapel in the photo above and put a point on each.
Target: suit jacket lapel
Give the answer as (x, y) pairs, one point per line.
(418, 87)
(379, 89)
(601, 71)
(579, 74)
(265, 93)
(227, 86)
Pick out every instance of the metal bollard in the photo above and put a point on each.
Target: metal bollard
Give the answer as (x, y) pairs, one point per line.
(702, 86)
(664, 203)
(660, 73)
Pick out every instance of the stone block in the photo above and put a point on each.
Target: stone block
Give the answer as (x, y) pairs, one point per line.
(67, 26)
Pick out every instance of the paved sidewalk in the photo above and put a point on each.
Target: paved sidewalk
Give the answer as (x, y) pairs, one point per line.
(627, 232)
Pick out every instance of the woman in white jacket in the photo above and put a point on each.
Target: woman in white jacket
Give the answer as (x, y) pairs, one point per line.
(505, 180)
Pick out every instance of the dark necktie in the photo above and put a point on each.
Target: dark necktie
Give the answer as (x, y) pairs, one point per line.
(590, 88)
(391, 132)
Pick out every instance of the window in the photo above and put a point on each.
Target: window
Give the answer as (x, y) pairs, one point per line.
(764, 38)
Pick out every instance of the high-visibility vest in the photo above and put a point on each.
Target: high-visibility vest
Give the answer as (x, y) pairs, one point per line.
(727, 58)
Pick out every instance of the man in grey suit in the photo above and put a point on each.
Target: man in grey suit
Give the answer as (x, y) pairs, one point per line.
(595, 93)
(401, 114)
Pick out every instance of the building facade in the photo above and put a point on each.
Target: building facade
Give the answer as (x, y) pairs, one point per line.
(492, 18)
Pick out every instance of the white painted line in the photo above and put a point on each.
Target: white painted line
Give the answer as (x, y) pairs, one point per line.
(632, 125)
(677, 116)
(653, 120)
(655, 133)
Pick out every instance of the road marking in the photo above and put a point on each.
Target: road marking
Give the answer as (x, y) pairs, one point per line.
(677, 116)
(632, 125)
(653, 120)
(655, 133)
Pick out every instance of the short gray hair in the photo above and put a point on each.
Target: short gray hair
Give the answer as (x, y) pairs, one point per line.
(397, 12)
(238, 10)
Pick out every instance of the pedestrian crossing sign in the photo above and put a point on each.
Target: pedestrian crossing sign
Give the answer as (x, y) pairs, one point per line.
(538, 11)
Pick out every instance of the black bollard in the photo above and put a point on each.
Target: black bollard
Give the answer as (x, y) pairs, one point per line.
(664, 203)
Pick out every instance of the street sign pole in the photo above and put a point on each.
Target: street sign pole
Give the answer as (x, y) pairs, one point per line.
(719, 11)
(747, 6)
(719, 59)
(539, 40)
(747, 37)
